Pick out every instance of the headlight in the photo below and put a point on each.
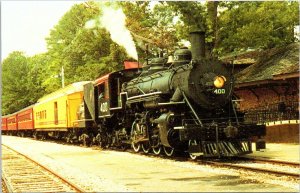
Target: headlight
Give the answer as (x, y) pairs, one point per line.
(219, 81)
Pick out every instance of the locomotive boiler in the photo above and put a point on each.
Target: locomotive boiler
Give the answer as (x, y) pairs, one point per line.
(207, 83)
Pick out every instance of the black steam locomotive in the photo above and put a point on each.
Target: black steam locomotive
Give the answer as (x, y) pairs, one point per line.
(186, 105)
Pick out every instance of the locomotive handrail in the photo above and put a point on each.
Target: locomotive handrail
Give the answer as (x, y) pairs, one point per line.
(182, 67)
(115, 108)
(194, 112)
(171, 103)
(144, 78)
(121, 107)
(103, 116)
(143, 95)
(82, 120)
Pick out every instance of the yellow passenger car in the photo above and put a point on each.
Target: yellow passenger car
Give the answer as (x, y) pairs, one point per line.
(58, 111)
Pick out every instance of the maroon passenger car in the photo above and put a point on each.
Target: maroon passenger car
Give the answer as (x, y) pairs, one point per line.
(25, 121)
(4, 124)
(12, 125)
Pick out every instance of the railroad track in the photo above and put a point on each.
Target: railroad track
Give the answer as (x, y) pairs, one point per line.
(22, 174)
(4, 188)
(272, 161)
(276, 167)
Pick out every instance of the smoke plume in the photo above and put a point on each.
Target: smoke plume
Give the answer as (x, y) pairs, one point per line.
(113, 20)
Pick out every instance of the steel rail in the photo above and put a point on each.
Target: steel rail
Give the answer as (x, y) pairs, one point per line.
(70, 184)
(272, 161)
(6, 184)
(255, 169)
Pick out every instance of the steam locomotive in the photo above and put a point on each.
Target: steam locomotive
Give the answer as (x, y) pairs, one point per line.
(186, 105)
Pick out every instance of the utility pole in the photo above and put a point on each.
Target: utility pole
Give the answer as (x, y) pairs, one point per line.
(62, 77)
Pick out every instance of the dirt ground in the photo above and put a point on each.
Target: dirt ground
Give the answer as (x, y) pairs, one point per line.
(105, 170)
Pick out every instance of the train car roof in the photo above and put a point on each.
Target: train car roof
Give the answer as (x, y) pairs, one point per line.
(70, 89)
(11, 115)
(26, 108)
(101, 79)
(3, 116)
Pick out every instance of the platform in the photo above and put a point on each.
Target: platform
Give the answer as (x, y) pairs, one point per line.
(278, 151)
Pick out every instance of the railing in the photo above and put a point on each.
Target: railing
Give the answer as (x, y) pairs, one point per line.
(274, 113)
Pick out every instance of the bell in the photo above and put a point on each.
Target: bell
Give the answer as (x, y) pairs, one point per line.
(170, 60)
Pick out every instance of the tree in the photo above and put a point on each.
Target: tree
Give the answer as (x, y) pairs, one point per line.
(159, 27)
(255, 25)
(192, 13)
(212, 23)
(15, 93)
(36, 76)
(163, 30)
(94, 69)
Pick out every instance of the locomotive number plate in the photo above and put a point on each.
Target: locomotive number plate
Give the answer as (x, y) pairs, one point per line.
(219, 91)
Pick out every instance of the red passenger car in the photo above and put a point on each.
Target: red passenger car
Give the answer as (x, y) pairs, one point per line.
(4, 124)
(12, 125)
(25, 120)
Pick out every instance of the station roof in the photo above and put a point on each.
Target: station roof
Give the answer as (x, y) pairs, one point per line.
(241, 58)
(272, 65)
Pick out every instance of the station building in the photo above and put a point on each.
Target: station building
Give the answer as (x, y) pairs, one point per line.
(268, 91)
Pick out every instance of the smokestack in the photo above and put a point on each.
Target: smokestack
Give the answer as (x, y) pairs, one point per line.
(197, 39)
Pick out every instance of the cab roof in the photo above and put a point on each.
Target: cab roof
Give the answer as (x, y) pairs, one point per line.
(102, 79)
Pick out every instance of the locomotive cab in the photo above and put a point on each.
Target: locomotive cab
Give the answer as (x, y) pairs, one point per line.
(103, 96)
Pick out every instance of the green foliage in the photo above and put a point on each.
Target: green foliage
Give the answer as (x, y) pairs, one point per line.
(163, 30)
(192, 13)
(14, 83)
(92, 70)
(22, 81)
(160, 28)
(37, 65)
(257, 25)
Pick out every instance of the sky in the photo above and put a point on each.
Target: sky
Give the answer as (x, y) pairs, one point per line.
(26, 24)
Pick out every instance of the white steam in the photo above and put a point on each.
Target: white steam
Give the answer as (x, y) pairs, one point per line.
(113, 20)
